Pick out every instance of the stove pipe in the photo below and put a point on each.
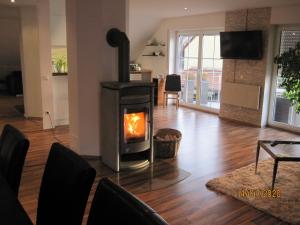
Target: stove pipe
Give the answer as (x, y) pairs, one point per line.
(117, 38)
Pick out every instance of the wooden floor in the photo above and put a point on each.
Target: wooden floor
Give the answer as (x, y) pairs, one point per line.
(210, 147)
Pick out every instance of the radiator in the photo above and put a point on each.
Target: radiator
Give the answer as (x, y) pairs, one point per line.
(243, 95)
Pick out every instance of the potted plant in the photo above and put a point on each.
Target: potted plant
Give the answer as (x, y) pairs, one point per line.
(60, 64)
(289, 64)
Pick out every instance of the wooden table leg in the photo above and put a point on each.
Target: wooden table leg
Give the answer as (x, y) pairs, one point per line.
(274, 172)
(257, 156)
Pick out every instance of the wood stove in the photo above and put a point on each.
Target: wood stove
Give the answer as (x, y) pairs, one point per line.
(126, 115)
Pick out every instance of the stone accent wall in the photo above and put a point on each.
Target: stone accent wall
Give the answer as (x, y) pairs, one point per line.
(246, 71)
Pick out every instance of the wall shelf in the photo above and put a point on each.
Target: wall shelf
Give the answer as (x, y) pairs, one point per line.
(156, 45)
(155, 55)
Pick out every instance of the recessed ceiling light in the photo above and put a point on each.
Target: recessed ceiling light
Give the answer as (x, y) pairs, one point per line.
(185, 8)
(12, 1)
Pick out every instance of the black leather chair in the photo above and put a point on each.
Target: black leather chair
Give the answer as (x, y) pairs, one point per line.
(13, 149)
(65, 188)
(173, 88)
(113, 205)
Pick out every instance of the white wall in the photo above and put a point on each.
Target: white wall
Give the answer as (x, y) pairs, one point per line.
(43, 14)
(286, 14)
(60, 83)
(30, 62)
(58, 23)
(36, 62)
(10, 39)
(60, 100)
(91, 60)
(166, 33)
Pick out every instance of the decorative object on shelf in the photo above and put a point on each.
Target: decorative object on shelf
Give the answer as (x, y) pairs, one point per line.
(135, 67)
(59, 59)
(60, 64)
(157, 49)
(156, 53)
(161, 43)
(289, 64)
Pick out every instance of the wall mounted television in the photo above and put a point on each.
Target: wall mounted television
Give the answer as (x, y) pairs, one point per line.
(241, 45)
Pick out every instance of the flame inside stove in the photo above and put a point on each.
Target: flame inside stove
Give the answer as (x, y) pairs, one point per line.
(134, 125)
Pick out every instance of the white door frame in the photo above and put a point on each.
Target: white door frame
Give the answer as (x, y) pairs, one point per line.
(272, 103)
(199, 33)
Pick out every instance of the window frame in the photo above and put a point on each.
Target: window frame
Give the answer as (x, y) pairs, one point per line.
(272, 102)
(201, 34)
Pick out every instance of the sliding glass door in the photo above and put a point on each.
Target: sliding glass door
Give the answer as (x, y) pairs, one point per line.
(200, 67)
(282, 114)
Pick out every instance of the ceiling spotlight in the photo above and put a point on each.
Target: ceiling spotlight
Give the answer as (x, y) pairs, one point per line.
(185, 8)
(12, 1)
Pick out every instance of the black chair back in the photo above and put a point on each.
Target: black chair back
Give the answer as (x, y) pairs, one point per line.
(65, 188)
(13, 150)
(173, 83)
(114, 205)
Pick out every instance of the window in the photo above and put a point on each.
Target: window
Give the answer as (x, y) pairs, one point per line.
(200, 67)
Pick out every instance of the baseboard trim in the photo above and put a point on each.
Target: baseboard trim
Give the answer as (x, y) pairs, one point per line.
(240, 122)
(199, 109)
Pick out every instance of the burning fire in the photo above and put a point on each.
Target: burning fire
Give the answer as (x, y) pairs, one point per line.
(134, 125)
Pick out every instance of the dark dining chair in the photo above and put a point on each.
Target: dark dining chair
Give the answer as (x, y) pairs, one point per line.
(114, 205)
(13, 149)
(65, 188)
(173, 88)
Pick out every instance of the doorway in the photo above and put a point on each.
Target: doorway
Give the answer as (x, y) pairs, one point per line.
(199, 64)
(11, 88)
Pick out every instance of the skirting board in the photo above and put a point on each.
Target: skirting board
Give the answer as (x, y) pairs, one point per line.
(243, 95)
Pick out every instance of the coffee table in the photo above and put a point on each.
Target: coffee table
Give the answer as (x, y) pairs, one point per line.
(288, 151)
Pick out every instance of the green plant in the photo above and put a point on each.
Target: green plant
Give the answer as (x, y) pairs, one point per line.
(289, 64)
(60, 64)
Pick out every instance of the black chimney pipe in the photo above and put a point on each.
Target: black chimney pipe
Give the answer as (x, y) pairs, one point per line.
(117, 38)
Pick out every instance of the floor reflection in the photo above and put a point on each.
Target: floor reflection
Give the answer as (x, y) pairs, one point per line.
(159, 175)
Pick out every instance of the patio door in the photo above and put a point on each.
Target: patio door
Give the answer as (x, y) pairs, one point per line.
(282, 114)
(200, 67)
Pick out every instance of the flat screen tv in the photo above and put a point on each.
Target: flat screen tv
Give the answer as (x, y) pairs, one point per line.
(241, 45)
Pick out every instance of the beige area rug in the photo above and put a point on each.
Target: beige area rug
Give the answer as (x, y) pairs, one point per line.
(255, 189)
